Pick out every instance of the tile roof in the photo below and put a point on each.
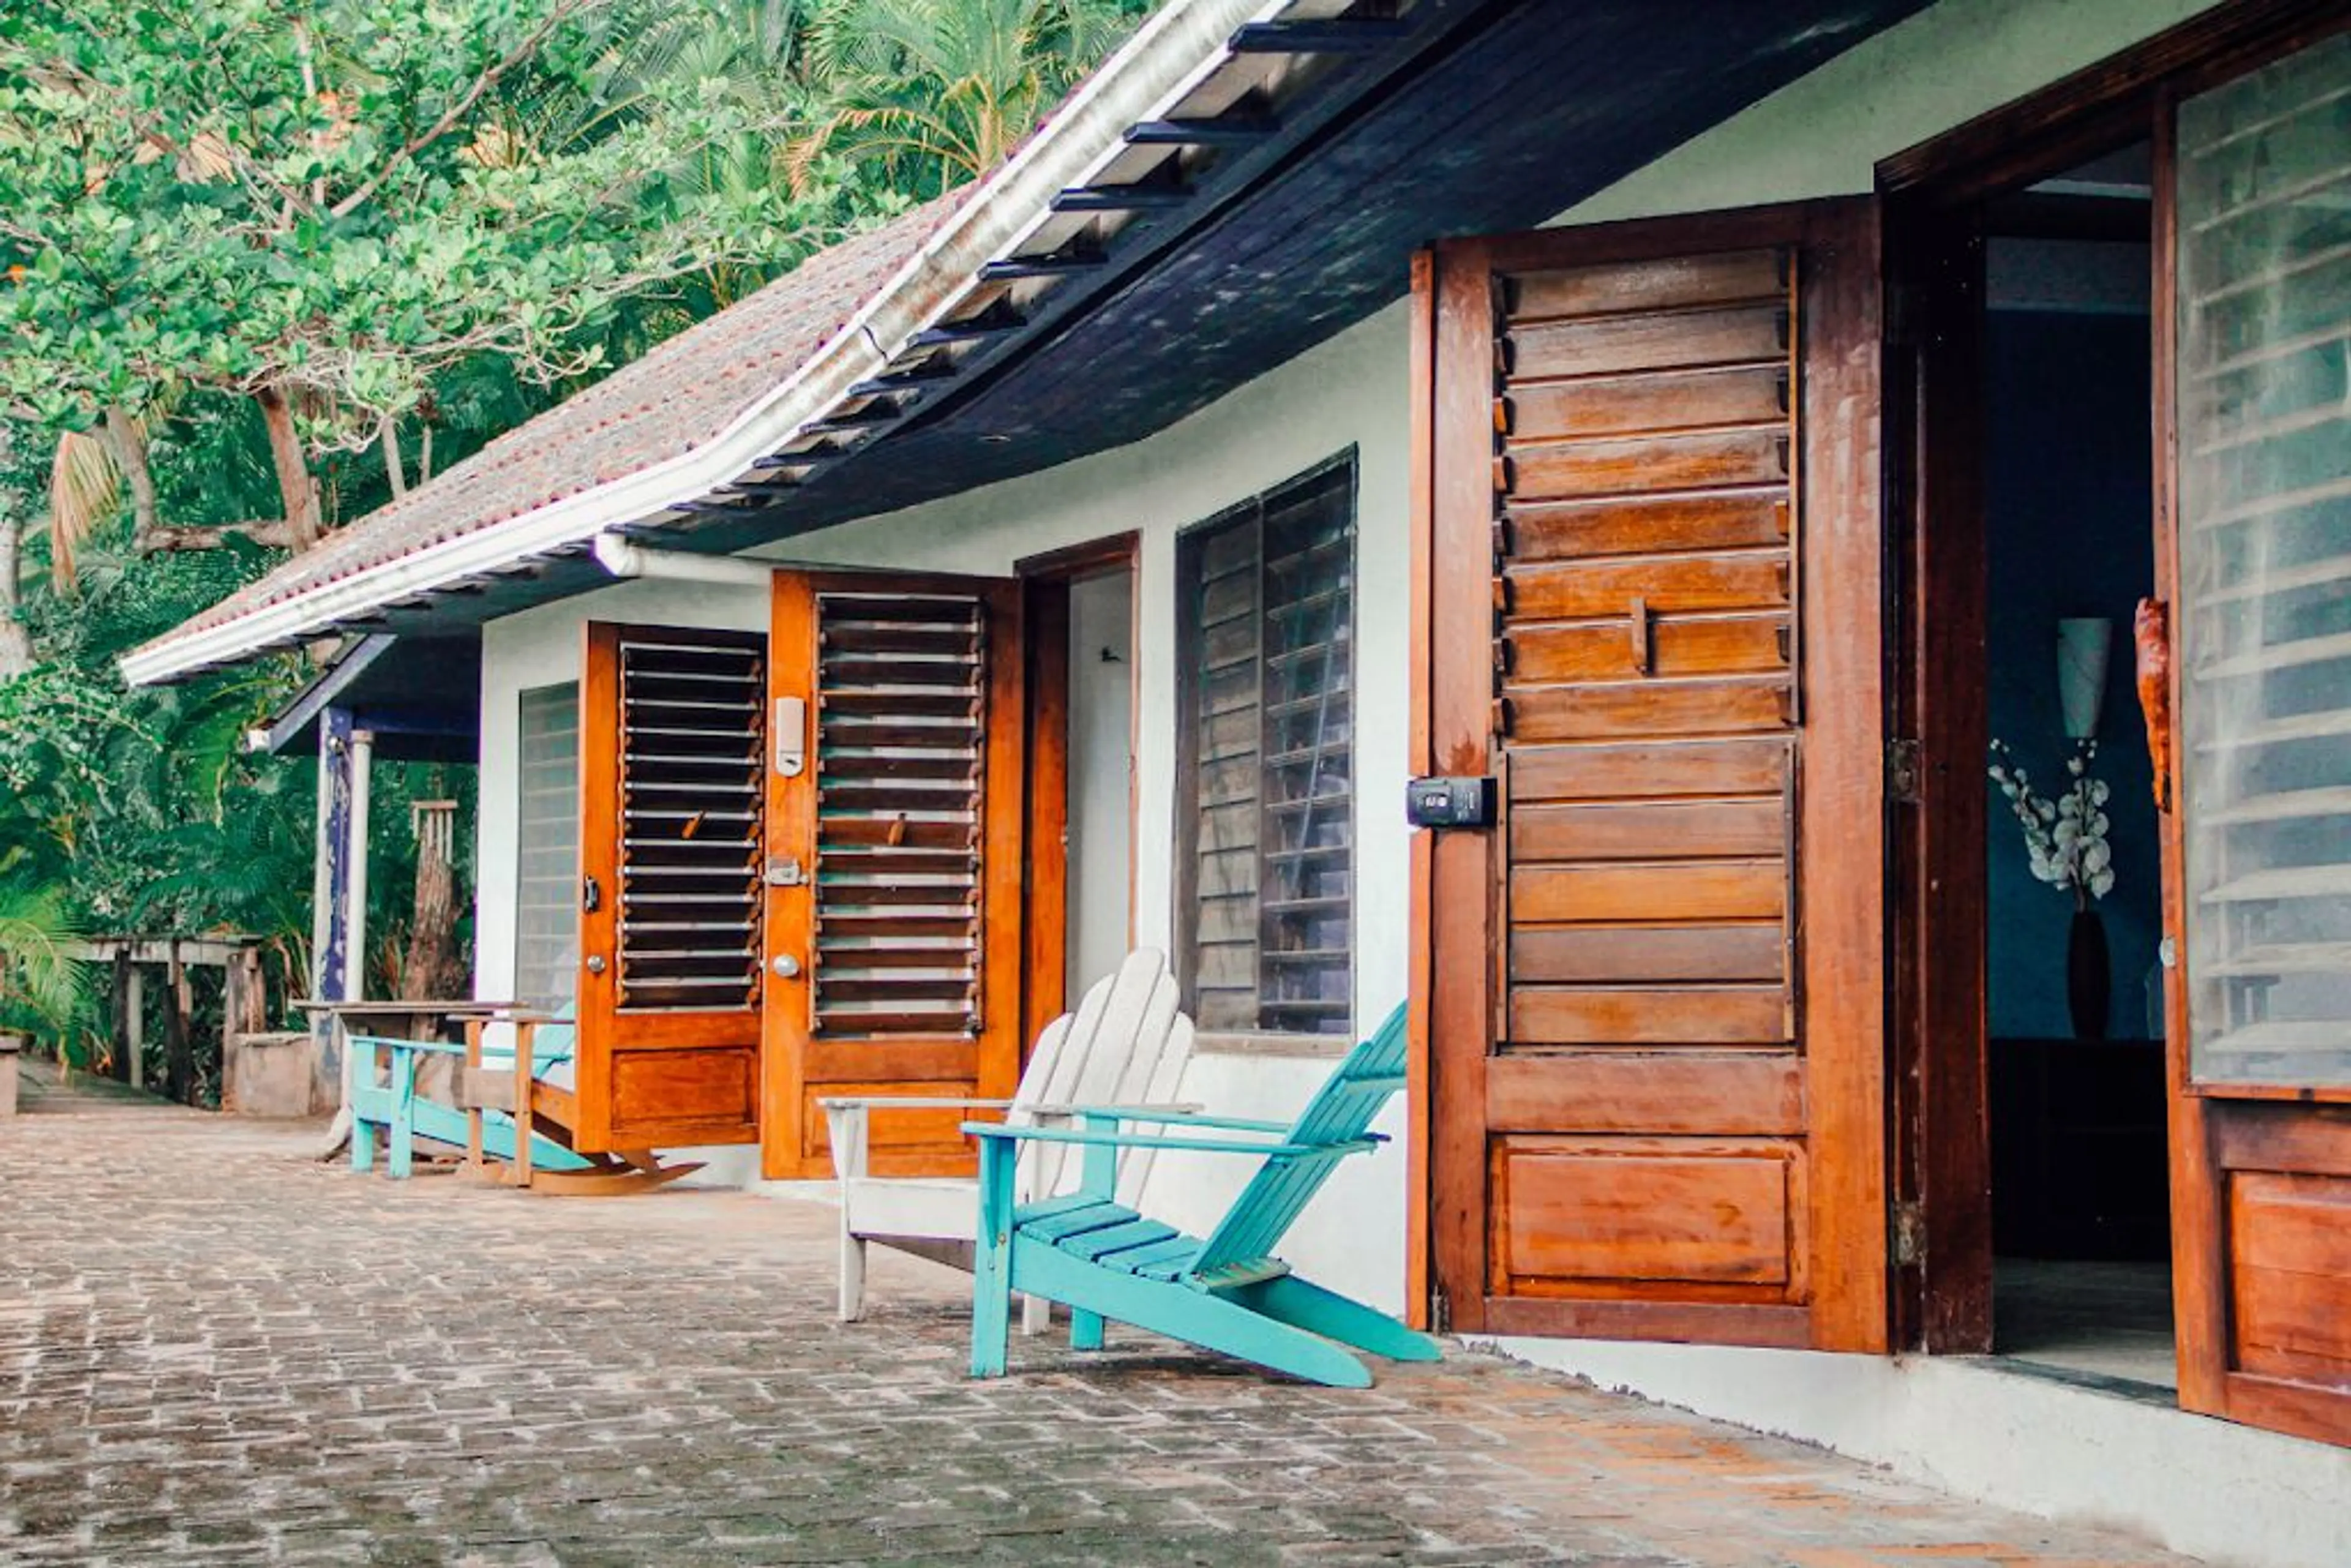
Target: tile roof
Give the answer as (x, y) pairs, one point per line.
(682, 394)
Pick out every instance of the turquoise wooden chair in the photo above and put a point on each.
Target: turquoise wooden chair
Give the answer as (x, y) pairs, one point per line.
(1229, 1292)
(405, 1116)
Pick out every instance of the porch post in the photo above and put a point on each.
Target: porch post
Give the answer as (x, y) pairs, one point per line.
(329, 892)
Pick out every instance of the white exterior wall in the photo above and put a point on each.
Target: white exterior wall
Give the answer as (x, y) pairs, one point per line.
(1820, 136)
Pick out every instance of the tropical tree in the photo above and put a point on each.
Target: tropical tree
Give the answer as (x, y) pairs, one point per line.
(316, 206)
(935, 93)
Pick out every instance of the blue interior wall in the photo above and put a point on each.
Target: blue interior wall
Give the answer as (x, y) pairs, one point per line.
(2069, 502)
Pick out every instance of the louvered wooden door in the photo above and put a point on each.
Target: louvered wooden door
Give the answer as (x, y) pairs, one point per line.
(1653, 1007)
(896, 864)
(2254, 548)
(672, 731)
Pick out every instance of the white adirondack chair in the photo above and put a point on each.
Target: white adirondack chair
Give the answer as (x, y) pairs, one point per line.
(1126, 1045)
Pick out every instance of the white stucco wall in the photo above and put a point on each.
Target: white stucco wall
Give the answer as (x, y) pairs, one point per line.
(1820, 136)
(1824, 134)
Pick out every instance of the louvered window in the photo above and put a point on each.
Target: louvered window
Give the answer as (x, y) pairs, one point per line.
(692, 730)
(547, 851)
(901, 685)
(2264, 601)
(1267, 787)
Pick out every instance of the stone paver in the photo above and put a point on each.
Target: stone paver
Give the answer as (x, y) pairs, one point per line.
(214, 1351)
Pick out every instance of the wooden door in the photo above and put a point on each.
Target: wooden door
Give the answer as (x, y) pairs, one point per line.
(672, 735)
(2253, 547)
(1651, 1001)
(895, 863)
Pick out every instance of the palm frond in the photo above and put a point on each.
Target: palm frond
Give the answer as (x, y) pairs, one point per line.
(85, 491)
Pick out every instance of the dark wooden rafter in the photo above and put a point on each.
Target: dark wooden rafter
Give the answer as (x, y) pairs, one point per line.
(1328, 35)
(1231, 129)
(1000, 319)
(880, 411)
(933, 368)
(1066, 262)
(1134, 198)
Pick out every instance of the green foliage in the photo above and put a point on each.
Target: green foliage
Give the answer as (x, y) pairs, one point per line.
(336, 201)
(442, 214)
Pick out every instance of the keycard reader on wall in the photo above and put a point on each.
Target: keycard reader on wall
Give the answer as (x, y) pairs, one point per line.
(1449, 803)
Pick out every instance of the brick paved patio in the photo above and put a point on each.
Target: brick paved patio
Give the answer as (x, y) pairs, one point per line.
(215, 1351)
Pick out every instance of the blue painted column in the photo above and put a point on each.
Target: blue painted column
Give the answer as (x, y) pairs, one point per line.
(330, 894)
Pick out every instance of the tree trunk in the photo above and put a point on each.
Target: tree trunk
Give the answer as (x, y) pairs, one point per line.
(425, 452)
(390, 432)
(295, 484)
(128, 444)
(15, 641)
(432, 967)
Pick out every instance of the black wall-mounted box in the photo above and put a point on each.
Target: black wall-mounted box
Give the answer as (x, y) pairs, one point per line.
(1449, 802)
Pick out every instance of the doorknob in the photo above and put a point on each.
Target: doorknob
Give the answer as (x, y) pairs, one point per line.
(786, 966)
(595, 962)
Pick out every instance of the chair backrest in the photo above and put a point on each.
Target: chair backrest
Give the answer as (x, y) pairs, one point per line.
(1126, 1044)
(1341, 1112)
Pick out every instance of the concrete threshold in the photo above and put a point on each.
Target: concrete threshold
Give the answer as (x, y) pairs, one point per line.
(2059, 1444)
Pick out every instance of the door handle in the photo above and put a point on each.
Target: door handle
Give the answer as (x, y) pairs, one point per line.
(1643, 661)
(791, 736)
(784, 966)
(595, 962)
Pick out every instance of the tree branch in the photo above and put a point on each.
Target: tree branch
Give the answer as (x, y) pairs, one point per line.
(557, 16)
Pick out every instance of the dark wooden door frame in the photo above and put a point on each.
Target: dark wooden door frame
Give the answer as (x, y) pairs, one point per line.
(1046, 581)
(1941, 1161)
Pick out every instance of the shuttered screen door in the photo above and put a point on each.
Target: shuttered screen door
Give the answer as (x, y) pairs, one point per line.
(1654, 999)
(2258, 906)
(672, 729)
(896, 864)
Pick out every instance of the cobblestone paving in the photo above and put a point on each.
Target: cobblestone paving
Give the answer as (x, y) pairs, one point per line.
(212, 1350)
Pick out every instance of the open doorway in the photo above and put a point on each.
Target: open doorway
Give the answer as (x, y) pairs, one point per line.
(1101, 774)
(1079, 883)
(2034, 918)
(2072, 908)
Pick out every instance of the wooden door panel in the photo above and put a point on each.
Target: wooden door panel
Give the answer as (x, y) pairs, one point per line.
(1707, 1220)
(1672, 585)
(1597, 712)
(895, 865)
(1660, 283)
(1572, 470)
(1592, 954)
(1703, 892)
(671, 828)
(1628, 1015)
(1558, 530)
(1708, 645)
(1638, 1129)
(1610, 829)
(1744, 1093)
(1657, 401)
(1679, 340)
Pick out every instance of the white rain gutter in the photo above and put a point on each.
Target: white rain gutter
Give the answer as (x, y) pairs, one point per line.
(1180, 46)
(623, 556)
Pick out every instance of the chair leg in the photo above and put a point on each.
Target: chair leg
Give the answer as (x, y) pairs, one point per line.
(852, 1272)
(991, 1259)
(1035, 1316)
(1086, 1331)
(1309, 1306)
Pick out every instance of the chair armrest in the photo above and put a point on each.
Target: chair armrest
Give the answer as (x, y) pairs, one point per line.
(1188, 1115)
(1144, 1141)
(389, 1042)
(909, 1102)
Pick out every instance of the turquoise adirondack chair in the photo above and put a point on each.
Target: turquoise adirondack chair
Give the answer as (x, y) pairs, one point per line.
(1229, 1292)
(405, 1116)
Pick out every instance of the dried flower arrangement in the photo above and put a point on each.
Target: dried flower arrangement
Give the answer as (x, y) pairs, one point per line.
(2064, 838)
